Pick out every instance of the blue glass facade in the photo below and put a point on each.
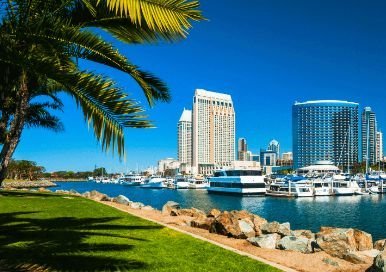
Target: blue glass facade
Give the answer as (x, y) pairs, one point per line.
(325, 130)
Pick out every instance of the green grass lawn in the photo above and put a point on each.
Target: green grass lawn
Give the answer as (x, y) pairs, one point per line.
(40, 232)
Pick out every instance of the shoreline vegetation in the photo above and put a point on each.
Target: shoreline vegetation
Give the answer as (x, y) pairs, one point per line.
(331, 249)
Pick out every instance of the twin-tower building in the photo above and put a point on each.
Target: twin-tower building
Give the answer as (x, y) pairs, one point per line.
(206, 135)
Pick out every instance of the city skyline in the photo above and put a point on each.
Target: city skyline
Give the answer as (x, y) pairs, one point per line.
(270, 56)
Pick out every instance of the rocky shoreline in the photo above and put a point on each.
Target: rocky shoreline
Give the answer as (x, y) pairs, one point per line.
(9, 185)
(351, 245)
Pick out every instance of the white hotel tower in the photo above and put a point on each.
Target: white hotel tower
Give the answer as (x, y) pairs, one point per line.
(185, 138)
(213, 131)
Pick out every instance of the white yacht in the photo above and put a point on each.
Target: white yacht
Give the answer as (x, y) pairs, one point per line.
(382, 187)
(291, 189)
(154, 182)
(198, 182)
(343, 186)
(131, 180)
(322, 187)
(181, 182)
(239, 182)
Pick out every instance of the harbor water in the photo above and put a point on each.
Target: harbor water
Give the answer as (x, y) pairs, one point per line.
(366, 212)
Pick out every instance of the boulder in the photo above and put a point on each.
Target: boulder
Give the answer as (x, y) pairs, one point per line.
(147, 208)
(193, 212)
(171, 208)
(233, 224)
(214, 213)
(136, 205)
(121, 199)
(379, 263)
(247, 228)
(43, 190)
(380, 245)
(95, 195)
(258, 222)
(303, 233)
(293, 243)
(354, 258)
(363, 240)
(202, 223)
(265, 241)
(74, 192)
(86, 194)
(275, 227)
(336, 241)
(330, 262)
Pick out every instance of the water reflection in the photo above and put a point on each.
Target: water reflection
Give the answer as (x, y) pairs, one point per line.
(366, 212)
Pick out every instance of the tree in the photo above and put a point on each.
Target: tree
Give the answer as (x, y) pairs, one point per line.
(40, 43)
(101, 171)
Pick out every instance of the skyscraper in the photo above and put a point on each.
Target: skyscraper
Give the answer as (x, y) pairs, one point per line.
(242, 149)
(274, 146)
(184, 128)
(325, 130)
(213, 130)
(369, 136)
(379, 150)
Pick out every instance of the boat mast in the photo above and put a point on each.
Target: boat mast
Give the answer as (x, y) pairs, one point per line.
(348, 149)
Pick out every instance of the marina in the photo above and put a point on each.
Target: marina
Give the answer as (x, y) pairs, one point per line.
(366, 212)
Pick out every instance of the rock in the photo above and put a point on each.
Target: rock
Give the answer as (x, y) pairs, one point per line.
(193, 212)
(265, 241)
(43, 190)
(300, 244)
(86, 194)
(95, 195)
(380, 245)
(258, 222)
(336, 241)
(170, 208)
(275, 227)
(303, 233)
(136, 205)
(363, 240)
(202, 223)
(247, 228)
(372, 253)
(227, 223)
(147, 208)
(214, 213)
(379, 263)
(330, 262)
(74, 192)
(121, 199)
(354, 258)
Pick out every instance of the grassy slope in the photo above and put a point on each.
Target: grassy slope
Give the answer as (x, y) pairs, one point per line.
(75, 234)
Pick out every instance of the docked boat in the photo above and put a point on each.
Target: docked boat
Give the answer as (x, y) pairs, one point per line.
(181, 182)
(382, 187)
(131, 180)
(197, 182)
(290, 188)
(154, 182)
(341, 186)
(237, 182)
(322, 187)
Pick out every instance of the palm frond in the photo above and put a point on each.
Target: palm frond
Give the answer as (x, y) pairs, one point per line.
(38, 116)
(172, 16)
(87, 45)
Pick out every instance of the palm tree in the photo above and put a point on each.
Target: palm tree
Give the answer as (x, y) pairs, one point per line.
(40, 43)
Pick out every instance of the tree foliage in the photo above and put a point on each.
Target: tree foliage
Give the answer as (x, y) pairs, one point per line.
(41, 42)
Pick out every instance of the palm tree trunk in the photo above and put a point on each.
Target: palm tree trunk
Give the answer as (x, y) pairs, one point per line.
(13, 136)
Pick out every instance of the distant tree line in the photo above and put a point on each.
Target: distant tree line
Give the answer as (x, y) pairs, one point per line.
(30, 170)
(23, 169)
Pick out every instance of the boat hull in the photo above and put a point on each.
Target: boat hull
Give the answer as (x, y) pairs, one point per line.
(235, 191)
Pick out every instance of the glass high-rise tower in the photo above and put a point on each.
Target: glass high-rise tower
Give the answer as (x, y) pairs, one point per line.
(325, 130)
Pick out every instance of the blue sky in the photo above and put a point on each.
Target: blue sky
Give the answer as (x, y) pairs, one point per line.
(266, 54)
